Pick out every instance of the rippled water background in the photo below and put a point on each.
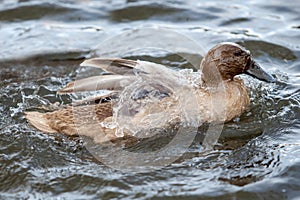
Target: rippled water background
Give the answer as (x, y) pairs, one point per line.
(42, 44)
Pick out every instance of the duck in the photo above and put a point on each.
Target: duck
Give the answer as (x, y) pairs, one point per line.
(142, 95)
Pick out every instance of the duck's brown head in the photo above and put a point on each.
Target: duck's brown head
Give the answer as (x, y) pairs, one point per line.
(226, 60)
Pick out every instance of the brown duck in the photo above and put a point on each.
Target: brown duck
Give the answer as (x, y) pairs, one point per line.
(219, 96)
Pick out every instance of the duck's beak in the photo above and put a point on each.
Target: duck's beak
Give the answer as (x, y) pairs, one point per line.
(257, 72)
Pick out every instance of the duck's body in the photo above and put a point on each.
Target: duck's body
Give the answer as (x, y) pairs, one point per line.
(218, 98)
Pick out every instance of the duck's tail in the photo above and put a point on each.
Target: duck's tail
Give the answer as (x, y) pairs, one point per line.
(38, 120)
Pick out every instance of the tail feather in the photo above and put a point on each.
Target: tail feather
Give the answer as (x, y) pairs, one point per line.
(39, 121)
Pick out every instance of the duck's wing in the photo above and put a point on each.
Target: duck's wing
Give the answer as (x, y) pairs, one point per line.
(122, 72)
(94, 83)
(123, 66)
(96, 98)
(112, 65)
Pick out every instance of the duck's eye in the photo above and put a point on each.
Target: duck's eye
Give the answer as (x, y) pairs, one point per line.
(237, 53)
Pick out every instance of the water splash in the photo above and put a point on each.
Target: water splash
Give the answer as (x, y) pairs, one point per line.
(158, 98)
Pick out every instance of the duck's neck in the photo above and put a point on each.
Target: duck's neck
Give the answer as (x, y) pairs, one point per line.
(212, 73)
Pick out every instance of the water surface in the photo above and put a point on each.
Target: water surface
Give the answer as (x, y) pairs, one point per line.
(42, 44)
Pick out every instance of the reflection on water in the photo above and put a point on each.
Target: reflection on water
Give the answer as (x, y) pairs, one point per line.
(42, 44)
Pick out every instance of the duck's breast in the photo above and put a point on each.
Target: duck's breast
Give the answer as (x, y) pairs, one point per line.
(223, 104)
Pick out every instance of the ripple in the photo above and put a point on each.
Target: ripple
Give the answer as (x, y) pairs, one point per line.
(44, 10)
(235, 21)
(29, 12)
(257, 155)
(258, 48)
(157, 12)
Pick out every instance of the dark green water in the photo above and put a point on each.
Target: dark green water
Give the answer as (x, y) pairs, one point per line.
(43, 42)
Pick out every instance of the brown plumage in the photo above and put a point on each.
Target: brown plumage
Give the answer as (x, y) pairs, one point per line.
(219, 68)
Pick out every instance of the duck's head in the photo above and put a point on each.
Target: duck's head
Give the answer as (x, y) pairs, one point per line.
(226, 60)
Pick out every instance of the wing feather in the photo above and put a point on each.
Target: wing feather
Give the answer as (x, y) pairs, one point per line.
(107, 82)
(112, 65)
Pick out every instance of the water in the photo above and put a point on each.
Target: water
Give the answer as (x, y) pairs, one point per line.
(42, 44)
